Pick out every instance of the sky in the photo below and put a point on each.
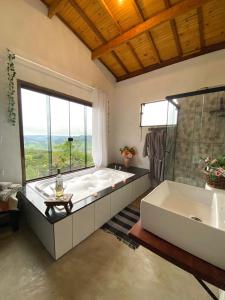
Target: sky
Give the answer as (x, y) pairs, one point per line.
(34, 110)
(159, 113)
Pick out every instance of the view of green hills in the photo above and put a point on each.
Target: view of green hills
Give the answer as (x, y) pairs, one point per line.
(67, 156)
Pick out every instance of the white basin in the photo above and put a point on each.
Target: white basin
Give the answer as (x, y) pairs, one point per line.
(168, 210)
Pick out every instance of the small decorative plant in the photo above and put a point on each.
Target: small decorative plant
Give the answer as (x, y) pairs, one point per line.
(11, 72)
(127, 153)
(214, 169)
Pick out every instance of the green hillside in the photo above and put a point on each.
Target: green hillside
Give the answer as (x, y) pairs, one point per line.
(65, 155)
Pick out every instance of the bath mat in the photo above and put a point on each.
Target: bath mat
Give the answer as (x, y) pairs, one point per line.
(120, 225)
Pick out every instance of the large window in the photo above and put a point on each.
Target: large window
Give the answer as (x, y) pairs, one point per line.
(56, 133)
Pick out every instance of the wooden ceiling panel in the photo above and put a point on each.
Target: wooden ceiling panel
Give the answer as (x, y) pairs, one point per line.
(124, 11)
(151, 7)
(144, 50)
(48, 2)
(173, 2)
(111, 62)
(214, 21)
(188, 31)
(76, 22)
(132, 37)
(95, 11)
(127, 58)
(164, 40)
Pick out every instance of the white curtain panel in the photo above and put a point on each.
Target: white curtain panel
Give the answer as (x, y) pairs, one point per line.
(99, 128)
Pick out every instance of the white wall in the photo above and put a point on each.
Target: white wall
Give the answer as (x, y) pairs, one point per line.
(27, 31)
(204, 71)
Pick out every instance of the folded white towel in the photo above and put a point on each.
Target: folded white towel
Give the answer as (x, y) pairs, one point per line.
(8, 190)
(4, 195)
(13, 202)
(15, 187)
(4, 185)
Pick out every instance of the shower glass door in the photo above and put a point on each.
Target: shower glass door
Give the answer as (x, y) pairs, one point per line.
(200, 134)
(171, 130)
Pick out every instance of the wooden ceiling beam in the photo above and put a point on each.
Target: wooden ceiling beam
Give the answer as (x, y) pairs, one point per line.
(54, 8)
(95, 30)
(166, 15)
(148, 33)
(174, 60)
(174, 31)
(120, 30)
(201, 27)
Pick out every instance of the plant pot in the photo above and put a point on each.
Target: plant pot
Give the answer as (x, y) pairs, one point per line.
(218, 183)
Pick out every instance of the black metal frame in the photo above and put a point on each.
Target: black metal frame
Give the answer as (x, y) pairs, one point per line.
(141, 111)
(206, 288)
(48, 92)
(205, 90)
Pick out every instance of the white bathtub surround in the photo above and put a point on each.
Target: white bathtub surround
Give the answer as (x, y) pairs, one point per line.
(99, 128)
(87, 216)
(170, 212)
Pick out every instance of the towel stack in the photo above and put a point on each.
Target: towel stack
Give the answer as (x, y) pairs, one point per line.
(8, 191)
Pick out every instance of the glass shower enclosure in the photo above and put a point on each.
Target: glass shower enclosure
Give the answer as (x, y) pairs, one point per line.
(200, 133)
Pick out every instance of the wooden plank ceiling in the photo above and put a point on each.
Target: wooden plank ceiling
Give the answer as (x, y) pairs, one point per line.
(132, 37)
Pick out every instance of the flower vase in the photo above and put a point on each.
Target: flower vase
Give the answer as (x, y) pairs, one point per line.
(126, 162)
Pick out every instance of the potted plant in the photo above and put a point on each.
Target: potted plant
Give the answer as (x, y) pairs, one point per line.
(127, 154)
(214, 170)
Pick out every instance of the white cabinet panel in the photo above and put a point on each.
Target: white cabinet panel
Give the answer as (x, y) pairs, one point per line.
(121, 198)
(102, 211)
(41, 227)
(83, 224)
(146, 182)
(116, 202)
(127, 194)
(63, 236)
(140, 186)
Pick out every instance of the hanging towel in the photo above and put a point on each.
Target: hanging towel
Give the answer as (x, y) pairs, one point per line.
(154, 148)
(149, 151)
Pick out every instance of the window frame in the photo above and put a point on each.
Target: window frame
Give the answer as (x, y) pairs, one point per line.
(48, 92)
(160, 100)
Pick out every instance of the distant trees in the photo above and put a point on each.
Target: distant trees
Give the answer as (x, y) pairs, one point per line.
(38, 161)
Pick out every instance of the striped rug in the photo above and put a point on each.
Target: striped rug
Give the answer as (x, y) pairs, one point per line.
(122, 223)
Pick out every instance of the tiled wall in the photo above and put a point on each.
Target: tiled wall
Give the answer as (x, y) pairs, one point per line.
(200, 133)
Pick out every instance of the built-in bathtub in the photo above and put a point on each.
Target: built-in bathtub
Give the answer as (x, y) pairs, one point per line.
(109, 191)
(83, 185)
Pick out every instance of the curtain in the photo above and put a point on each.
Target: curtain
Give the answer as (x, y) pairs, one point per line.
(99, 128)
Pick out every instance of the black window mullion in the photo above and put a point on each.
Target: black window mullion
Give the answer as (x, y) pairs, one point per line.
(70, 142)
(85, 135)
(49, 134)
